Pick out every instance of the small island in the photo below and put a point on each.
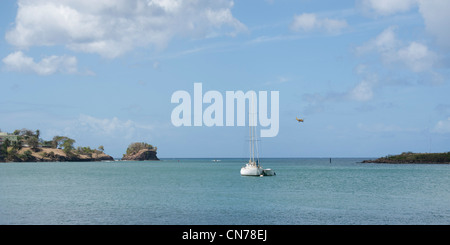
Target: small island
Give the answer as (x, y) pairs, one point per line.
(410, 157)
(140, 151)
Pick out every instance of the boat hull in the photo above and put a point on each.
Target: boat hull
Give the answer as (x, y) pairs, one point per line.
(268, 172)
(251, 171)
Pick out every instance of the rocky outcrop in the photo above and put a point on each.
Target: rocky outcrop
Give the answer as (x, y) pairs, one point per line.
(142, 155)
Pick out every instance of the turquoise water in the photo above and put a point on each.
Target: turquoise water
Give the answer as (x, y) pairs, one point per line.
(200, 191)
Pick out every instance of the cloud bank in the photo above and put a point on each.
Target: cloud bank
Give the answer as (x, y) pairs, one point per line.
(415, 56)
(434, 13)
(111, 28)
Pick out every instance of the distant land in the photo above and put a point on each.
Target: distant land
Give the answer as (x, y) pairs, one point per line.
(26, 146)
(410, 157)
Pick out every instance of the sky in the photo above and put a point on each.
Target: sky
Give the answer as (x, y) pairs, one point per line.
(369, 77)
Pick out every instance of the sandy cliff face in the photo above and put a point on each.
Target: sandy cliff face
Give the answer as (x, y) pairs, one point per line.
(142, 155)
(58, 155)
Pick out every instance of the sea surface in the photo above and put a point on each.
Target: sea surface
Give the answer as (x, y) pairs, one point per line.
(201, 191)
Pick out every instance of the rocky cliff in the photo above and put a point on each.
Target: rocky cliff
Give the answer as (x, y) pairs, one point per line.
(56, 155)
(142, 155)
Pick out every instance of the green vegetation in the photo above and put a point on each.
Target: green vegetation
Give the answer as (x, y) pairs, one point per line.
(26, 146)
(27, 155)
(87, 151)
(62, 142)
(140, 151)
(10, 150)
(50, 155)
(136, 147)
(410, 157)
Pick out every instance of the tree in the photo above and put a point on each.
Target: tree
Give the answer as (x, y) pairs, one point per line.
(101, 148)
(68, 145)
(4, 149)
(33, 142)
(11, 155)
(47, 143)
(58, 141)
(6, 143)
(17, 145)
(27, 155)
(26, 133)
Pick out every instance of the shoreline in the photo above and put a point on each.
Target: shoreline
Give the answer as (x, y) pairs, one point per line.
(413, 158)
(42, 154)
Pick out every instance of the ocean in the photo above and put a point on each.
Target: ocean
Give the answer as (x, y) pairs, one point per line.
(305, 191)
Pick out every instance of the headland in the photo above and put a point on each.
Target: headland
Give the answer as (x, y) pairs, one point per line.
(416, 158)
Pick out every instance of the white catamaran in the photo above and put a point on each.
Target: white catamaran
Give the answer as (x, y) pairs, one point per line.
(252, 168)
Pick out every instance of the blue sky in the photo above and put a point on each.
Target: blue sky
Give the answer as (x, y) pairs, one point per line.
(370, 78)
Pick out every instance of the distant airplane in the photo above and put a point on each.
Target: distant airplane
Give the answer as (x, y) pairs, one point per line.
(299, 120)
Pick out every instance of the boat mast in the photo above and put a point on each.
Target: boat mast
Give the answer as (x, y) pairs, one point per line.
(252, 131)
(256, 146)
(250, 134)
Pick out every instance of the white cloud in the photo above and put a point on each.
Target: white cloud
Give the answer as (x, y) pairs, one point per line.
(113, 27)
(113, 127)
(386, 7)
(18, 61)
(436, 16)
(278, 80)
(384, 43)
(434, 13)
(363, 91)
(442, 126)
(416, 56)
(310, 22)
(306, 22)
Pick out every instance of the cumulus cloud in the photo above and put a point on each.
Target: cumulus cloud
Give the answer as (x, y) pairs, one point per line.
(19, 62)
(385, 42)
(415, 56)
(442, 126)
(434, 13)
(310, 22)
(436, 17)
(386, 7)
(113, 27)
